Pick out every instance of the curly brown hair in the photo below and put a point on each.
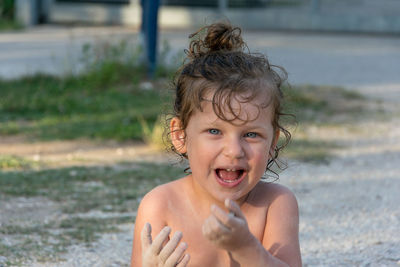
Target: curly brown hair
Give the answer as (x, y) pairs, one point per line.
(221, 63)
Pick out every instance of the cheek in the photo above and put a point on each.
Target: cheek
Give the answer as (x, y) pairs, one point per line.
(198, 151)
(259, 155)
(262, 158)
(259, 150)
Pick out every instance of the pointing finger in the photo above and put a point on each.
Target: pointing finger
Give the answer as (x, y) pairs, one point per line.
(233, 207)
(221, 215)
(229, 220)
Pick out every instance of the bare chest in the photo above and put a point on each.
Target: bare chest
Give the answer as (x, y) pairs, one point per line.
(202, 251)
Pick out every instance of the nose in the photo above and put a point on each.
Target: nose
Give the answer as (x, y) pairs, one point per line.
(233, 148)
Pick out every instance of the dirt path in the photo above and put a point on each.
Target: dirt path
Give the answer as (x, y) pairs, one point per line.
(77, 152)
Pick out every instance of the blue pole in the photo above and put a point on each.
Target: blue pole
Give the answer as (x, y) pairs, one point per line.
(149, 30)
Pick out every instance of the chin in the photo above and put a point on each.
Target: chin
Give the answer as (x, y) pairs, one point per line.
(232, 196)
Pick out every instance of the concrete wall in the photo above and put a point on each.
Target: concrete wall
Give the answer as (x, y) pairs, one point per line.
(334, 16)
(96, 13)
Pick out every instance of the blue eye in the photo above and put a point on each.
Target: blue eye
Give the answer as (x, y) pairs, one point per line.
(214, 131)
(251, 135)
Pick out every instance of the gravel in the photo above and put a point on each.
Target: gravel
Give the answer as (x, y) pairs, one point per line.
(111, 250)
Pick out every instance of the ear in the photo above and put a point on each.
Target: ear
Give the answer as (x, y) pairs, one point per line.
(274, 142)
(177, 135)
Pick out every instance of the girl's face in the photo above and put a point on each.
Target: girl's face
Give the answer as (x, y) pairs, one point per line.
(227, 159)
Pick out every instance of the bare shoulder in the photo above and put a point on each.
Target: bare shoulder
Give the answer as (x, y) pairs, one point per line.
(157, 200)
(273, 194)
(282, 206)
(281, 234)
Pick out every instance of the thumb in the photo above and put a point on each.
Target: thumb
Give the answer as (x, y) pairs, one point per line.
(146, 236)
(233, 207)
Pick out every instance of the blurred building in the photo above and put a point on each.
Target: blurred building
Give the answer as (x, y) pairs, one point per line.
(381, 16)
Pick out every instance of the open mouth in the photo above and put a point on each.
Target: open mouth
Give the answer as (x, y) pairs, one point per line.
(229, 177)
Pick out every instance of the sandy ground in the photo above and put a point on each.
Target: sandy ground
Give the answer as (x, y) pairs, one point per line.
(77, 153)
(349, 209)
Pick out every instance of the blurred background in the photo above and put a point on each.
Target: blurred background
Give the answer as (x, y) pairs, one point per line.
(85, 87)
(327, 15)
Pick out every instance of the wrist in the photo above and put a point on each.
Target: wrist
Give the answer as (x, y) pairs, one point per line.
(249, 247)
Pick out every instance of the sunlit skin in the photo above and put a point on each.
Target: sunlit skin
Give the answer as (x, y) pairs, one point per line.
(221, 214)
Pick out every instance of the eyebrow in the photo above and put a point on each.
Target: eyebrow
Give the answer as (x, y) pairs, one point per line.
(217, 121)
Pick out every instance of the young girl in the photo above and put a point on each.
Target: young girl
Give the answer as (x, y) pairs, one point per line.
(226, 123)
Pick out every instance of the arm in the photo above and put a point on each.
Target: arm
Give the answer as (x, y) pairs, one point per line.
(280, 246)
(281, 234)
(162, 251)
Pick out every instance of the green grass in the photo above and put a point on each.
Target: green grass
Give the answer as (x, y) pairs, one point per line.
(107, 103)
(7, 25)
(92, 106)
(104, 102)
(48, 108)
(10, 162)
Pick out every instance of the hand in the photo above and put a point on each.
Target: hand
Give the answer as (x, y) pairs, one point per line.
(228, 231)
(154, 254)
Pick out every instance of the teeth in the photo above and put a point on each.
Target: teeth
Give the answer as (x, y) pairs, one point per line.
(229, 181)
(230, 170)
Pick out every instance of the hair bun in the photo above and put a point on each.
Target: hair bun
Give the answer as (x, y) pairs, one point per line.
(219, 37)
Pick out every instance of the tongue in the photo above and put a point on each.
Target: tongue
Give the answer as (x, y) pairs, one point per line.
(225, 175)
